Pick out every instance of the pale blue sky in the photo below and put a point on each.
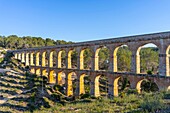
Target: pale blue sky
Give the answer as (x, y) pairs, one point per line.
(80, 20)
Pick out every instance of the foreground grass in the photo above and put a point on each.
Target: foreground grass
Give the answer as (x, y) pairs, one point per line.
(130, 103)
(91, 106)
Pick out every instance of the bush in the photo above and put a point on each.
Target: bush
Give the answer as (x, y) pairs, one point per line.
(152, 103)
(87, 100)
(166, 94)
(93, 97)
(55, 97)
(86, 95)
(58, 88)
(46, 102)
(149, 72)
(132, 91)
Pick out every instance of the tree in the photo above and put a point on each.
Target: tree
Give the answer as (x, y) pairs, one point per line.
(149, 59)
(124, 58)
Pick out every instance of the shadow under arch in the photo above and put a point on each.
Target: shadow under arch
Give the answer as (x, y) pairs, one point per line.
(103, 85)
(138, 86)
(147, 86)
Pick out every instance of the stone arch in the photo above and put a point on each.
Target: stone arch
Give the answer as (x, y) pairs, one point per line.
(69, 83)
(103, 85)
(96, 59)
(38, 71)
(138, 56)
(72, 58)
(52, 58)
(127, 64)
(99, 64)
(120, 83)
(82, 59)
(37, 59)
(96, 86)
(44, 61)
(85, 58)
(16, 55)
(19, 56)
(31, 58)
(51, 76)
(44, 72)
(81, 84)
(61, 58)
(116, 86)
(139, 85)
(32, 70)
(59, 79)
(167, 61)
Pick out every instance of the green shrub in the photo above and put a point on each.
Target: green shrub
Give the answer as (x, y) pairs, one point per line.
(93, 97)
(58, 88)
(132, 91)
(70, 98)
(55, 97)
(87, 100)
(86, 95)
(46, 102)
(166, 94)
(152, 103)
(149, 72)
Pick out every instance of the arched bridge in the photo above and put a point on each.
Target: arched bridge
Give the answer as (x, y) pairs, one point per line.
(41, 60)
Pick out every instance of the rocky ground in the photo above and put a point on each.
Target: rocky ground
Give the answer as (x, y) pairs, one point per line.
(11, 90)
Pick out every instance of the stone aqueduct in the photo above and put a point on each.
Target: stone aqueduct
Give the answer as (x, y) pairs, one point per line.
(162, 79)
